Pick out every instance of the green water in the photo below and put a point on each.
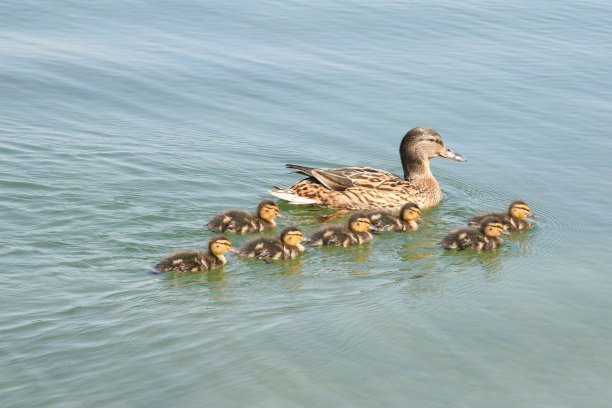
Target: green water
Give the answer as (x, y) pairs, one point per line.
(126, 127)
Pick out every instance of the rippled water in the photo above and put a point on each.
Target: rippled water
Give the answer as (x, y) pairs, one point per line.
(126, 125)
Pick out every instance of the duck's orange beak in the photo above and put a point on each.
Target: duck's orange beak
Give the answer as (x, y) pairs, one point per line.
(449, 154)
(233, 250)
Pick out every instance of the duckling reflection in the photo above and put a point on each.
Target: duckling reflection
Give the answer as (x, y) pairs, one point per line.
(243, 221)
(195, 260)
(404, 221)
(339, 235)
(286, 246)
(515, 219)
(487, 237)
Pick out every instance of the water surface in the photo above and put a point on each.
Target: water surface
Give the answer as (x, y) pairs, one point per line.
(126, 125)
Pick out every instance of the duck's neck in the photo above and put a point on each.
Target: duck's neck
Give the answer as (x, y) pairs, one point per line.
(416, 168)
(221, 258)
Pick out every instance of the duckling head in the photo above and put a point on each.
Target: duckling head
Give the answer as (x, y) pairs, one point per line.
(423, 143)
(359, 222)
(492, 227)
(520, 209)
(218, 245)
(267, 210)
(410, 212)
(292, 236)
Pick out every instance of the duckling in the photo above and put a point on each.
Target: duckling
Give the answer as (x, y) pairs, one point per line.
(286, 246)
(374, 189)
(243, 221)
(484, 238)
(404, 221)
(193, 261)
(514, 220)
(356, 233)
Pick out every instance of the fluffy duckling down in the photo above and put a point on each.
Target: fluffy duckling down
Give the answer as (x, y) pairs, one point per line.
(243, 221)
(470, 238)
(404, 221)
(515, 219)
(193, 261)
(286, 246)
(356, 233)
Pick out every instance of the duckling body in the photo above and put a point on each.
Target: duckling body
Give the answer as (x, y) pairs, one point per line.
(286, 246)
(515, 219)
(368, 188)
(404, 221)
(339, 235)
(195, 260)
(470, 238)
(243, 221)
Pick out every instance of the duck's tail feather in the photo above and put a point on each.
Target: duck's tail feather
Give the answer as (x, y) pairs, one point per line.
(289, 195)
(301, 169)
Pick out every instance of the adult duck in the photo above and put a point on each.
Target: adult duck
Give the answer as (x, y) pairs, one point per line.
(368, 188)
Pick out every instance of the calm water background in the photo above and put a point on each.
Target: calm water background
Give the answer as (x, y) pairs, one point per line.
(125, 126)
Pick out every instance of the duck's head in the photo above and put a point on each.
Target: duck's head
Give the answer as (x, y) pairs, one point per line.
(359, 222)
(492, 227)
(423, 143)
(292, 236)
(267, 210)
(410, 212)
(520, 209)
(220, 244)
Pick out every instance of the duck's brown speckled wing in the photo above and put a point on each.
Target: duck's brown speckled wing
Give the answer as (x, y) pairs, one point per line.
(346, 177)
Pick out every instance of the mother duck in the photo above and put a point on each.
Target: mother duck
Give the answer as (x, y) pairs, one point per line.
(368, 188)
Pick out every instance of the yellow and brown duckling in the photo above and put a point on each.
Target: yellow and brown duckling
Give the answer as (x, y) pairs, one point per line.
(404, 221)
(195, 260)
(286, 246)
(356, 233)
(368, 188)
(487, 237)
(243, 221)
(514, 219)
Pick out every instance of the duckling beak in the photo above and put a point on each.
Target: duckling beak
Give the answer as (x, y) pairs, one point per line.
(505, 232)
(449, 154)
(279, 215)
(373, 228)
(233, 250)
(306, 239)
(420, 219)
(532, 215)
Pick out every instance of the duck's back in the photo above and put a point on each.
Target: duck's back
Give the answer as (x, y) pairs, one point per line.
(385, 221)
(510, 223)
(235, 221)
(263, 248)
(333, 235)
(188, 261)
(466, 237)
